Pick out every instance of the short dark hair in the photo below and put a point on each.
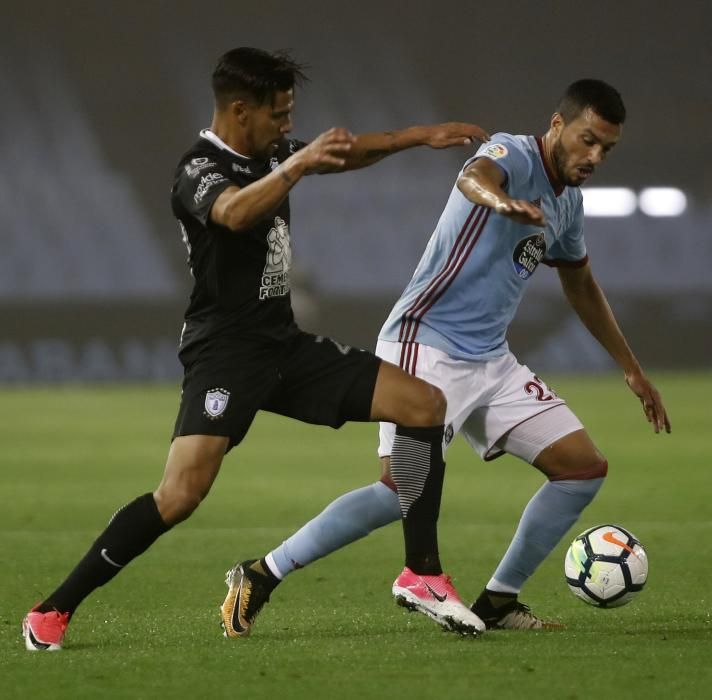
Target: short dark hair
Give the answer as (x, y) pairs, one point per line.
(601, 97)
(254, 74)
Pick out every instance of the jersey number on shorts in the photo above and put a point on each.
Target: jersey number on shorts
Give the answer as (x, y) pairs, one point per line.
(536, 386)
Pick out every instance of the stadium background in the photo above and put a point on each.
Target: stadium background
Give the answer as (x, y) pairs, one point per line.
(100, 99)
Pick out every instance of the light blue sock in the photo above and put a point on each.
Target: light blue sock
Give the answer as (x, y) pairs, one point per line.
(554, 508)
(347, 519)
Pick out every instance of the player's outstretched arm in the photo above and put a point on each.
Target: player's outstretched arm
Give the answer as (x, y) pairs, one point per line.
(239, 208)
(368, 149)
(482, 181)
(588, 300)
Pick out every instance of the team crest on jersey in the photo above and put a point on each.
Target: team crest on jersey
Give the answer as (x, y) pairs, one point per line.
(216, 402)
(275, 276)
(449, 434)
(495, 151)
(528, 253)
(273, 163)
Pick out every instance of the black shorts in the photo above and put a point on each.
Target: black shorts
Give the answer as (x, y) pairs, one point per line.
(310, 378)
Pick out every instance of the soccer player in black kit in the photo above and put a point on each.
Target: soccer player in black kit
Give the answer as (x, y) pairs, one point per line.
(243, 352)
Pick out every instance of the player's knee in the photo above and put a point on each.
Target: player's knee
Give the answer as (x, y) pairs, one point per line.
(177, 504)
(587, 469)
(430, 407)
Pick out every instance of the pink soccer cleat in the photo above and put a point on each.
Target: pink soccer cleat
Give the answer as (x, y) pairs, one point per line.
(44, 631)
(436, 597)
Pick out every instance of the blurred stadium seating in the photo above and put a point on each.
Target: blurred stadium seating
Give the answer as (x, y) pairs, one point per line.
(99, 106)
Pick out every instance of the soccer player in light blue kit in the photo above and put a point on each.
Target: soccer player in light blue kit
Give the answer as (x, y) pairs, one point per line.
(515, 204)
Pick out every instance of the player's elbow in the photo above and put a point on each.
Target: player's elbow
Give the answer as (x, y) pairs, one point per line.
(235, 218)
(464, 184)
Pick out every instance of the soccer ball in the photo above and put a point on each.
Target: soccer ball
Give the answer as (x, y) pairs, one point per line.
(606, 566)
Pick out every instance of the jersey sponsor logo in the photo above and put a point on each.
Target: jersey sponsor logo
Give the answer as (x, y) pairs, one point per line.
(196, 165)
(528, 254)
(495, 151)
(245, 169)
(216, 402)
(207, 182)
(275, 276)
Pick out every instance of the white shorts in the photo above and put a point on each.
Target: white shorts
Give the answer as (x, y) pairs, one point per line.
(492, 403)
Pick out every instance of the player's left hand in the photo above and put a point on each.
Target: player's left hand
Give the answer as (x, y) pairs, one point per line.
(454, 134)
(650, 399)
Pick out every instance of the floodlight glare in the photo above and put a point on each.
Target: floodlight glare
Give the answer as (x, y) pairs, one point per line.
(662, 201)
(608, 201)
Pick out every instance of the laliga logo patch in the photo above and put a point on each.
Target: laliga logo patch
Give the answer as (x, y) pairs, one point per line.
(216, 402)
(528, 254)
(495, 151)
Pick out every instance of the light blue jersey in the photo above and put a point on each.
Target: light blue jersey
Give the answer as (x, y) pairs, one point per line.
(477, 264)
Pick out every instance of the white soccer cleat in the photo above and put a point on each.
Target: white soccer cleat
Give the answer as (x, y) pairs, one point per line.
(436, 597)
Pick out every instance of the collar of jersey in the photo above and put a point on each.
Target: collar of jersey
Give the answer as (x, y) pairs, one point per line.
(209, 135)
(558, 189)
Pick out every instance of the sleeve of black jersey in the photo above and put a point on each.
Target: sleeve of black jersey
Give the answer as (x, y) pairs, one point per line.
(295, 145)
(198, 184)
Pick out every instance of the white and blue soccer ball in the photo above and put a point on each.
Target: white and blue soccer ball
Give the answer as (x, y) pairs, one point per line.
(606, 566)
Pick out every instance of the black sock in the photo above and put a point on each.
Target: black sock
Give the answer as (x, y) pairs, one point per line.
(130, 532)
(418, 470)
(490, 601)
(261, 567)
(497, 598)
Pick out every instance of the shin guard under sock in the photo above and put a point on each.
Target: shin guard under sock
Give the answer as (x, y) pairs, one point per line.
(418, 470)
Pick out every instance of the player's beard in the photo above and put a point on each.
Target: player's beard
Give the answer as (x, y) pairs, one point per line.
(559, 157)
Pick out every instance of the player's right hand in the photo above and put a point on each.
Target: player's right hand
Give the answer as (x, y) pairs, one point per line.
(327, 152)
(650, 400)
(521, 211)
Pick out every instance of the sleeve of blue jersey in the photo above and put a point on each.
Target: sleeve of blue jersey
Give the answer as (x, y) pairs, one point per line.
(507, 153)
(570, 249)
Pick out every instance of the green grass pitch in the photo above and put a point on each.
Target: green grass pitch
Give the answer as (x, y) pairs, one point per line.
(71, 456)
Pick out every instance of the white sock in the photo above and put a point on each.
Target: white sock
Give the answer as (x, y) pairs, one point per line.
(347, 519)
(553, 509)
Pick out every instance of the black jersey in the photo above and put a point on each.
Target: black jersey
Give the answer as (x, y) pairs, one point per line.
(241, 290)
